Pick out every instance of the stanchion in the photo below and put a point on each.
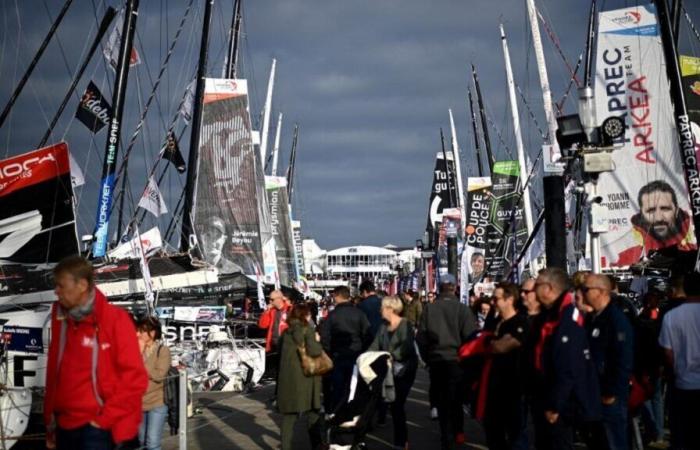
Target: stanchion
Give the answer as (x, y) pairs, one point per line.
(182, 408)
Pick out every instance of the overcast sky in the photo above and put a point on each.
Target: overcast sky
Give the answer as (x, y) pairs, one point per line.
(369, 82)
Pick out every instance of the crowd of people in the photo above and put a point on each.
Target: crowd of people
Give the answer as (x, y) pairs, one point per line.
(554, 361)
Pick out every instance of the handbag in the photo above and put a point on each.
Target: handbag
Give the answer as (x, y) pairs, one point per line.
(314, 365)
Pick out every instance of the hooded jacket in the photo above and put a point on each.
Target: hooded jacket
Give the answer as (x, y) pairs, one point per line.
(646, 242)
(267, 321)
(100, 376)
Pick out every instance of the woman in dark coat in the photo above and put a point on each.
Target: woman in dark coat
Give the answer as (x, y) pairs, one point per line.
(297, 393)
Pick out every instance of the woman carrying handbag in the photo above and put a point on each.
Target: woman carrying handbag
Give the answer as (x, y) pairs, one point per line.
(297, 393)
(396, 336)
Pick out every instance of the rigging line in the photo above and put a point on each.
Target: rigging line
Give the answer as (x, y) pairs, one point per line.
(498, 133)
(560, 104)
(14, 73)
(166, 61)
(690, 23)
(531, 113)
(58, 41)
(557, 45)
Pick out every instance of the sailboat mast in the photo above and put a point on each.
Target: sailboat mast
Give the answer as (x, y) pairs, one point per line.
(35, 61)
(588, 67)
(676, 19)
(193, 158)
(458, 169)
(685, 135)
(477, 144)
(484, 123)
(104, 207)
(266, 113)
(234, 40)
(518, 135)
(276, 149)
(292, 162)
(447, 170)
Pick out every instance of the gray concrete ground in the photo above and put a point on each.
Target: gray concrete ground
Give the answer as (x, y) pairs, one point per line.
(233, 421)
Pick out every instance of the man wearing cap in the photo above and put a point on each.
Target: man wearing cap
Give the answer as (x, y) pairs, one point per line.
(445, 325)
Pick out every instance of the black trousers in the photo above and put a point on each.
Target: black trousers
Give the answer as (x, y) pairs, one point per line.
(560, 435)
(402, 387)
(503, 417)
(447, 378)
(685, 411)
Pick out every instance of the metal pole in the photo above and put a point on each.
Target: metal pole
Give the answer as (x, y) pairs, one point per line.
(477, 146)
(447, 170)
(685, 135)
(595, 237)
(35, 61)
(104, 25)
(676, 19)
(182, 409)
(484, 123)
(589, 46)
(193, 158)
(266, 112)
(276, 149)
(292, 162)
(458, 169)
(233, 41)
(105, 196)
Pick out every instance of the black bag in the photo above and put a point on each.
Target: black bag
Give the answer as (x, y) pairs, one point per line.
(171, 397)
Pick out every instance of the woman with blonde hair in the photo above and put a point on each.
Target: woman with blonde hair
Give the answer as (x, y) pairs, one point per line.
(396, 336)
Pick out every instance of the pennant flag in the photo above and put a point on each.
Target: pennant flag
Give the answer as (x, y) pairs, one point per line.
(188, 102)
(150, 242)
(76, 174)
(93, 110)
(172, 153)
(152, 200)
(111, 50)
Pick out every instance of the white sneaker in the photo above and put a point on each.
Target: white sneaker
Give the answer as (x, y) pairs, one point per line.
(433, 414)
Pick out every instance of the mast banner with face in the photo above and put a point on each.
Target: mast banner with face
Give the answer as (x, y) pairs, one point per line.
(37, 223)
(507, 231)
(690, 71)
(226, 216)
(478, 219)
(644, 200)
(281, 228)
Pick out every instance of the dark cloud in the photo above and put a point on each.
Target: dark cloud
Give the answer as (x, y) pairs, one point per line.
(369, 82)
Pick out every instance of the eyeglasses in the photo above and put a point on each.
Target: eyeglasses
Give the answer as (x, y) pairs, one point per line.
(527, 291)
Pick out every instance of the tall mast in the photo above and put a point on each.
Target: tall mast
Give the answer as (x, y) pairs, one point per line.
(477, 141)
(292, 162)
(193, 158)
(276, 149)
(105, 197)
(232, 59)
(685, 135)
(518, 135)
(676, 19)
(588, 67)
(266, 114)
(458, 169)
(484, 123)
(447, 170)
(35, 61)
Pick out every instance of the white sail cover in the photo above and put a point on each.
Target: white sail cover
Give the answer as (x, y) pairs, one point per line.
(631, 83)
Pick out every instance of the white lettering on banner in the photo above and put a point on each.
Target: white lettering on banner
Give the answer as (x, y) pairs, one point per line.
(24, 169)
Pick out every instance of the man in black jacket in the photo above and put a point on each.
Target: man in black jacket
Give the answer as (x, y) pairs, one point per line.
(444, 327)
(344, 335)
(612, 347)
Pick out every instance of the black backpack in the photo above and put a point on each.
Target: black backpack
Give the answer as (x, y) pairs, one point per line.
(171, 397)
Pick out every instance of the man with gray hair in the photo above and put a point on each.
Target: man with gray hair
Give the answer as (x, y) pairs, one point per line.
(566, 385)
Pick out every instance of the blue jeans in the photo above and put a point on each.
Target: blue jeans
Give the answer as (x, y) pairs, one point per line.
(615, 423)
(151, 429)
(84, 438)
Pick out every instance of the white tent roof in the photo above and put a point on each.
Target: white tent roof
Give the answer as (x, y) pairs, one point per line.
(361, 250)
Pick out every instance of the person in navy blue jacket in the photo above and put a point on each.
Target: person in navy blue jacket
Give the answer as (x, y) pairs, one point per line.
(566, 392)
(612, 346)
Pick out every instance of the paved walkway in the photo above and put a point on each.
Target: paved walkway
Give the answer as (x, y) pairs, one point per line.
(233, 421)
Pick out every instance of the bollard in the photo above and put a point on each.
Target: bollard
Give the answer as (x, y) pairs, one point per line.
(182, 408)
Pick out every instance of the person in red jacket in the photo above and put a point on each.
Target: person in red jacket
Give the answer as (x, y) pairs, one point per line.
(274, 320)
(95, 377)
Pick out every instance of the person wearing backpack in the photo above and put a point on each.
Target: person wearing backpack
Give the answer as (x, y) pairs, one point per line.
(156, 358)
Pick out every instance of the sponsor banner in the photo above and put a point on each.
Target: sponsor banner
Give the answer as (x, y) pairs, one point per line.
(37, 223)
(690, 71)
(281, 228)
(645, 201)
(443, 193)
(23, 339)
(93, 110)
(152, 200)
(171, 152)
(298, 247)
(507, 231)
(150, 242)
(199, 313)
(477, 223)
(227, 217)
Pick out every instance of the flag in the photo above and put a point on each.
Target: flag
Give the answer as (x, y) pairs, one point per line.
(76, 175)
(188, 101)
(172, 153)
(152, 200)
(151, 241)
(111, 50)
(93, 110)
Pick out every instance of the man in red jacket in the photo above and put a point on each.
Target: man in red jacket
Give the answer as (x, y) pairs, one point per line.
(274, 320)
(95, 377)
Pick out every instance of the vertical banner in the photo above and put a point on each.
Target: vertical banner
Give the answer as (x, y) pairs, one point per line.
(478, 219)
(298, 248)
(507, 231)
(690, 71)
(645, 199)
(37, 223)
(226, 214)
(443, 193)
(278, 200)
